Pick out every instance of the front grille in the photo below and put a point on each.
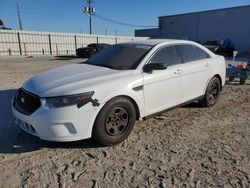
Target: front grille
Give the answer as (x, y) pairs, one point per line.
(26, 102)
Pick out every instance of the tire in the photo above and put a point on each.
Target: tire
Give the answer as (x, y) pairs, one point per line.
(231, 78)
(212, 93)
(242, 81)
(114, 122)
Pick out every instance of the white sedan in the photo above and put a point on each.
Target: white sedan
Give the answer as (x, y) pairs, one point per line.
(104, 96)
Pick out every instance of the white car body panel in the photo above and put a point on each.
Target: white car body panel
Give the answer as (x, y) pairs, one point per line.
(161, 90)
(198, 72)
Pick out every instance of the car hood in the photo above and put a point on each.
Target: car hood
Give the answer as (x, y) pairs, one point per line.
(71, 79)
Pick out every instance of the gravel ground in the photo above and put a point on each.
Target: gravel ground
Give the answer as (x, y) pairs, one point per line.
(187, 147)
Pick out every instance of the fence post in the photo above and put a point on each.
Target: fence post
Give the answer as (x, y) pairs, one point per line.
(19, 43)
(9, 52)
(57, 52)
(42, 51)
(50, 48)
(25, 49)
(75, 42)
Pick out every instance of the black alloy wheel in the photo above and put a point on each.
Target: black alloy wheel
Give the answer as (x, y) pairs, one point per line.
(114, 122)
(117, 121)
(212, 92)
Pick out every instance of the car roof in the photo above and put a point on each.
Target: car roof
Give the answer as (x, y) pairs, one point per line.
(161, 42)
(153, 42)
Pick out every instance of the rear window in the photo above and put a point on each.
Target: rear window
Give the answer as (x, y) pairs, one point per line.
(191, 53)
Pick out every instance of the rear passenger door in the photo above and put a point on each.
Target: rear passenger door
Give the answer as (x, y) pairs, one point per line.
(195, 71)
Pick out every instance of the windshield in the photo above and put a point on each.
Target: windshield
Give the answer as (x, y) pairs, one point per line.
(120, 56)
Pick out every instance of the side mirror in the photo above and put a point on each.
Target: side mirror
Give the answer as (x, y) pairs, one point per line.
(154, 66)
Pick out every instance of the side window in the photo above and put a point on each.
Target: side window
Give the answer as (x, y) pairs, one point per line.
(191, 53)
(202, 54)
(166, 55)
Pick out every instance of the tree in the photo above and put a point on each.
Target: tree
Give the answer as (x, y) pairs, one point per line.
(1, 23)
(2, 26)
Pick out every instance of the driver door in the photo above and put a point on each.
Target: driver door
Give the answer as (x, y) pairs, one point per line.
(162, 87)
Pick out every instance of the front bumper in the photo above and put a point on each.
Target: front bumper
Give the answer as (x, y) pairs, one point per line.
(83, 54)
(58, 124)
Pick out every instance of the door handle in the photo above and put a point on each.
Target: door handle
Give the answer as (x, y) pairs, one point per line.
(178, 71)
(206, 65)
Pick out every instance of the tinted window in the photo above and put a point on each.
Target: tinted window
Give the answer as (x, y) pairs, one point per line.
(105, 45)
(191, 53)
(120, 56)
(102, 46)
(92, 45)
(166, 55)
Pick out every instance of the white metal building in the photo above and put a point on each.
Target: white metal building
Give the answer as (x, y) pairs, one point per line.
(229, 23)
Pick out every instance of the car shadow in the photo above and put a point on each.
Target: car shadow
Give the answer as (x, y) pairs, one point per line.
(195, 104)
(13, 140)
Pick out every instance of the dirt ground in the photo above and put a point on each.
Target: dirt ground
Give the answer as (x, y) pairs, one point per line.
(190, 146)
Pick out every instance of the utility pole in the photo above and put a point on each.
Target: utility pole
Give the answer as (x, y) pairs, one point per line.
(89, 10)
(19, 17)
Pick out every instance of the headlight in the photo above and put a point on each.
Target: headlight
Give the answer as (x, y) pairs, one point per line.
(62, 101)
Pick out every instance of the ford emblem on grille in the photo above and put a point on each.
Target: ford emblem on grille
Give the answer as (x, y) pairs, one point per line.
(22, 100)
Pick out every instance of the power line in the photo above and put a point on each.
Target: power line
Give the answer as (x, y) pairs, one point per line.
(63, 12)
(19, 17)
(121, 23)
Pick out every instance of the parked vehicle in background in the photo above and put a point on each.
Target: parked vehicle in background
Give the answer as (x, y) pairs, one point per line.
(240, 71)
(91, 49)
(220, 47)
(102, 97)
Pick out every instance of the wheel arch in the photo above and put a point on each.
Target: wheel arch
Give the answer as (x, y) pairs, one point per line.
(220, 79)
(214, 76)
(137, 110)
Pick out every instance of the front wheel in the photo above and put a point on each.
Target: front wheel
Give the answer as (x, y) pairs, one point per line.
(212, 92)
(115, 122)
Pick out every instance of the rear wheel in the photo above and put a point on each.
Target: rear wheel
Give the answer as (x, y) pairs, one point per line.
(115, 122)
(212, 92)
